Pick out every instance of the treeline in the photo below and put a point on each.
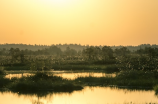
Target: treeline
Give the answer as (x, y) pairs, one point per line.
(141, 59)
(92, 53)
(39, 47)
(53, 50)
(63, 47)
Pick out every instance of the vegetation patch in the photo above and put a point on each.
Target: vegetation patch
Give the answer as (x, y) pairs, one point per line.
(104, 68)
(130, 78)
(47, 82)
(137, 78)
(4, 82)
(95, 81)
(43, 81)
(16, 68)
(2, 72)
(111, 69)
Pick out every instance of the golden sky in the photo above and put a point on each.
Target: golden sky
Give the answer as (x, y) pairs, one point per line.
(93, 22)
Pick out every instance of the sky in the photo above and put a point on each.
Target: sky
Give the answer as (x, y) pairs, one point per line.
(85, 22)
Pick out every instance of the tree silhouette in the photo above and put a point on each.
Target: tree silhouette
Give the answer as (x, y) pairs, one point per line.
(107, 52)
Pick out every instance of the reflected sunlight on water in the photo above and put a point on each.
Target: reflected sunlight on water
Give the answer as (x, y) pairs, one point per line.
(89, 95)
(64, 74)
(83, 74)
(17, 75)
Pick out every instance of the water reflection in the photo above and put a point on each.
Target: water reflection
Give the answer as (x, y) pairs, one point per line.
(64, 74)
(18, 75)
(89, 95)
(83, 74)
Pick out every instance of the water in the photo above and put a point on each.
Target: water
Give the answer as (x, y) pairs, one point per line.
(74, 75)
(89, 95)
(64, 74)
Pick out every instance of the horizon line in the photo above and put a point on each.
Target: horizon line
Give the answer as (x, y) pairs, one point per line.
(72, 44)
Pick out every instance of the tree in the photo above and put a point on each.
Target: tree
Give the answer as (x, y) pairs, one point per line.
(97, 53)
(107, 53)
(122, 51)
(89, 52)
(70, 53)
(17, 55)
(151, 52)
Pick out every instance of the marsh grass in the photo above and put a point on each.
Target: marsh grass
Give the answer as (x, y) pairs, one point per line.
(95, 81)
(76, 67)
(104, 68)
(2, 72)
(16, 68)
(132, 78)
(111, 69)
(137, 78)
(4, 82)
(43, 81)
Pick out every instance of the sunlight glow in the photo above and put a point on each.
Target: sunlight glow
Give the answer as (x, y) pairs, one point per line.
(58, 2)
(93, 22)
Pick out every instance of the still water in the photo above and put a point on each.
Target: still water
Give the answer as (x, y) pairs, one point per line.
(89, 95)
(64, 74)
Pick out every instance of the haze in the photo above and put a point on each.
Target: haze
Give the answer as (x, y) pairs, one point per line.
(93, 22)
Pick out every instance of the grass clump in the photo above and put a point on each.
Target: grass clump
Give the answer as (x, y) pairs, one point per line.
(95, 81)
(43, 81)
(66, 87)
(137, 78)
(131, 78)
